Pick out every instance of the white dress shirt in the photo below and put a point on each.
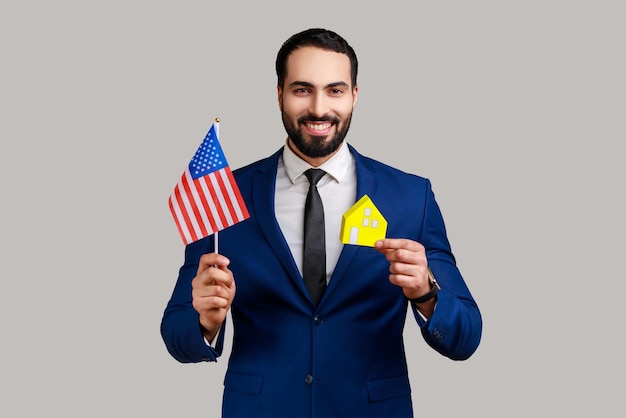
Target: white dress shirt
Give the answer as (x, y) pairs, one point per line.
(338, 192)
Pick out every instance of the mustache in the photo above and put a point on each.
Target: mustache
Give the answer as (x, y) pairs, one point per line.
(308, 118)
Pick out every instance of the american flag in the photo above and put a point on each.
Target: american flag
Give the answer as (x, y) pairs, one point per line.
(207, 199)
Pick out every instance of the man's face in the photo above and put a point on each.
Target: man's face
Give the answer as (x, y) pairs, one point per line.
(317, 102)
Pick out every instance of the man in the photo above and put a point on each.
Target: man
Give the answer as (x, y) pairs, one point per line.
(342, 353)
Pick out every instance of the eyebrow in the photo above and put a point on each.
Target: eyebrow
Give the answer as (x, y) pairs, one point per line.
(330, 85)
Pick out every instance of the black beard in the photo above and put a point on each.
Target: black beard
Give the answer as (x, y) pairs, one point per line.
(317, 147)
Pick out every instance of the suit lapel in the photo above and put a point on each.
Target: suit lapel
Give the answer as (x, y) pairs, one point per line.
(263, 192)
(366, 184)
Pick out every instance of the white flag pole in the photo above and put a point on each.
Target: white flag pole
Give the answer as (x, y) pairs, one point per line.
(215, 236)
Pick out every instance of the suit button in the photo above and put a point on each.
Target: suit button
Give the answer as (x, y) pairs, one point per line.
(317, 320)
(308, 379)
(437, 334)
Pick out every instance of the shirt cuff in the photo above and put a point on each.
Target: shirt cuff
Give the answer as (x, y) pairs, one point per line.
(212, 342)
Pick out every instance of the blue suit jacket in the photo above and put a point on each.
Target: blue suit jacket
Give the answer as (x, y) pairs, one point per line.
(345, 358)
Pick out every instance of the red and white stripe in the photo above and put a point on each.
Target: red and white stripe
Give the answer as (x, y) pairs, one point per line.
(206, 205)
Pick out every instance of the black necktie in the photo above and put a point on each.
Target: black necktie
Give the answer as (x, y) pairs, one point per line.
(314, 263)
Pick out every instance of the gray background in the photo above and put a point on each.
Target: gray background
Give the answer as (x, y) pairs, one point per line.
(514, 110)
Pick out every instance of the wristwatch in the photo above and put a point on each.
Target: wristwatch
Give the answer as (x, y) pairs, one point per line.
(433, 290)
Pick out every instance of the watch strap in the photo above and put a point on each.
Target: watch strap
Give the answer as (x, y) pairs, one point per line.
(433, 291)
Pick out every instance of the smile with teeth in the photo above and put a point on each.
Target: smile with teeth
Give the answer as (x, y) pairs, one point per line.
(322, 126)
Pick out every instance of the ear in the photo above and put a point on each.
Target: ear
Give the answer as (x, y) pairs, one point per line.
(280, 97)
(355, 95)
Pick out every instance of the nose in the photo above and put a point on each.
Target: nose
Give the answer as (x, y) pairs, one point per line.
(319, 105)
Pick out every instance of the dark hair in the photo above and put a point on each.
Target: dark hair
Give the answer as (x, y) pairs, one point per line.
(319, 38)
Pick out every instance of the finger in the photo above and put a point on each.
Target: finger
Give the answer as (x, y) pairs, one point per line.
(212, 260)
(214, 277)
(212, 296)
(401, 280)
(405, 256)
(405, 269)
(398, 243)
(207, 304)
(210, 290)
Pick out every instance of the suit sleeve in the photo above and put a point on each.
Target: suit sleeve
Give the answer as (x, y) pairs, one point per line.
(454, 330)
(180, 325)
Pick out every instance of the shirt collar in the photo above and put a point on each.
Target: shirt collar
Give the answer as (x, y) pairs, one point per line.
(336, 166)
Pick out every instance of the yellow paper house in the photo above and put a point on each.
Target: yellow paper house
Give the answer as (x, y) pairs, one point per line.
(363, 224)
